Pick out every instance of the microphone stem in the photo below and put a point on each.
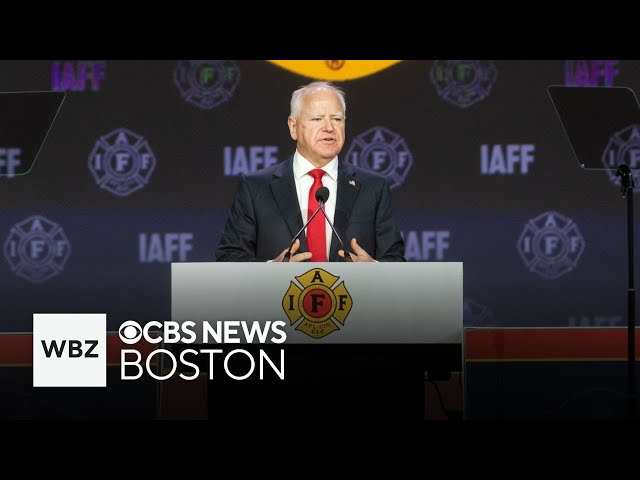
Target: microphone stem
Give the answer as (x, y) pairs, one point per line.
(347, 256)
(287, 256)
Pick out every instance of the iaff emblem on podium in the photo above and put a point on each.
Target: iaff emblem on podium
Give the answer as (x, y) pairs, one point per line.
(315, 304)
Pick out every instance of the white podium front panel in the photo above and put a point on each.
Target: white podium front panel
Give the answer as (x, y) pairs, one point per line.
(326, 302)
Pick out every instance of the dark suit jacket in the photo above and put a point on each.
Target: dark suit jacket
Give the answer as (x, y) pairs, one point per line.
(265, 216)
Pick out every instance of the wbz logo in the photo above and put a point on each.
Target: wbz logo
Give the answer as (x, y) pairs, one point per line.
(75, 348)
(69, 350)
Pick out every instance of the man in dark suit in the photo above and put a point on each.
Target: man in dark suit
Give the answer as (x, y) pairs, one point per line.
(269, 209)
(272, 204)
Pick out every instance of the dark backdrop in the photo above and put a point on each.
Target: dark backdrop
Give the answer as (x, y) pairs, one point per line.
(140, 168)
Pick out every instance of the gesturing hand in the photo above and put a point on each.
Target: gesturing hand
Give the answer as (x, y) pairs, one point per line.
(295, 257)
(359, 254)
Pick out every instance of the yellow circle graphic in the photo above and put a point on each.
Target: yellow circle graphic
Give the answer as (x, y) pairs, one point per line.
(335, 69)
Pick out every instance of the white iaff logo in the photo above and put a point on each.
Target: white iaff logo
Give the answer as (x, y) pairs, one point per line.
(69, 350)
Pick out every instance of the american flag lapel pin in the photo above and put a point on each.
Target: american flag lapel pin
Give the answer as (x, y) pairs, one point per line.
(352, 183)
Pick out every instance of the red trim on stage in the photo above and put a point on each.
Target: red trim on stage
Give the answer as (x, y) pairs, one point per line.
(547, 344)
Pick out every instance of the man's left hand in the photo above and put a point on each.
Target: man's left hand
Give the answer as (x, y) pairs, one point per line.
(359, 254)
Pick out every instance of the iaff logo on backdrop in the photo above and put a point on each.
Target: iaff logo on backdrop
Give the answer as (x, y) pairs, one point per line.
(509, 159)
(623, 148)
(10, 160)
(37, 249)
(551, 245)
(78, 76)
(206, 83)
(122, 162)
(316, 304)
(69, 350)
(463, 82)
(477, 315)
(595, 320)
(164, 247)
(384, 152)
(426, 245)
(243, 160)
(590, 73)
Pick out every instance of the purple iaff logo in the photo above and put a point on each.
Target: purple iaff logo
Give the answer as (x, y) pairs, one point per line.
(623, 148)
(551, 245)
(463, 82)
(206, 83)
(37, 249)
(122, 162)
(381, 151)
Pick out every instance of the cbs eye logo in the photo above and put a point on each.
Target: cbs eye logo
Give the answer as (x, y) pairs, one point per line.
(130, 332)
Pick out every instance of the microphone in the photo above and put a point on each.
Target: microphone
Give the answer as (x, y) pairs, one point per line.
(347, 257)
(322, 194)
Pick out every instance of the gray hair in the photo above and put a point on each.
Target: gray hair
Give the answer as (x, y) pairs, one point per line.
(298, 95)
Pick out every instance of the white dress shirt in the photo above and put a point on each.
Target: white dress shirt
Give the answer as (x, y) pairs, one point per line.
(304, 181)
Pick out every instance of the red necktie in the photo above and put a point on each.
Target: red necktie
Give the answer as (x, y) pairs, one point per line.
(316, 233)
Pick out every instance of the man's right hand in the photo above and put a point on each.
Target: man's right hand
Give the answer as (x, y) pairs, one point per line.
(295, 257)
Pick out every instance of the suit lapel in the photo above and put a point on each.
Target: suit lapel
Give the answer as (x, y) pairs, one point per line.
(348, 188)
(284, 191)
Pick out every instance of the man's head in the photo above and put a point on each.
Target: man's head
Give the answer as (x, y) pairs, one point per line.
(317, 121)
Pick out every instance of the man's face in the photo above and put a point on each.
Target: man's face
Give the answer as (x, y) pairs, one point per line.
(319, 128)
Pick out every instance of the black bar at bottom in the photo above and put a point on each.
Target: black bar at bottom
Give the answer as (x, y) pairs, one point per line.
(324, 381)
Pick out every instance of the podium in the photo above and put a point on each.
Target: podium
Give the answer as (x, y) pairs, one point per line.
(359, 337)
